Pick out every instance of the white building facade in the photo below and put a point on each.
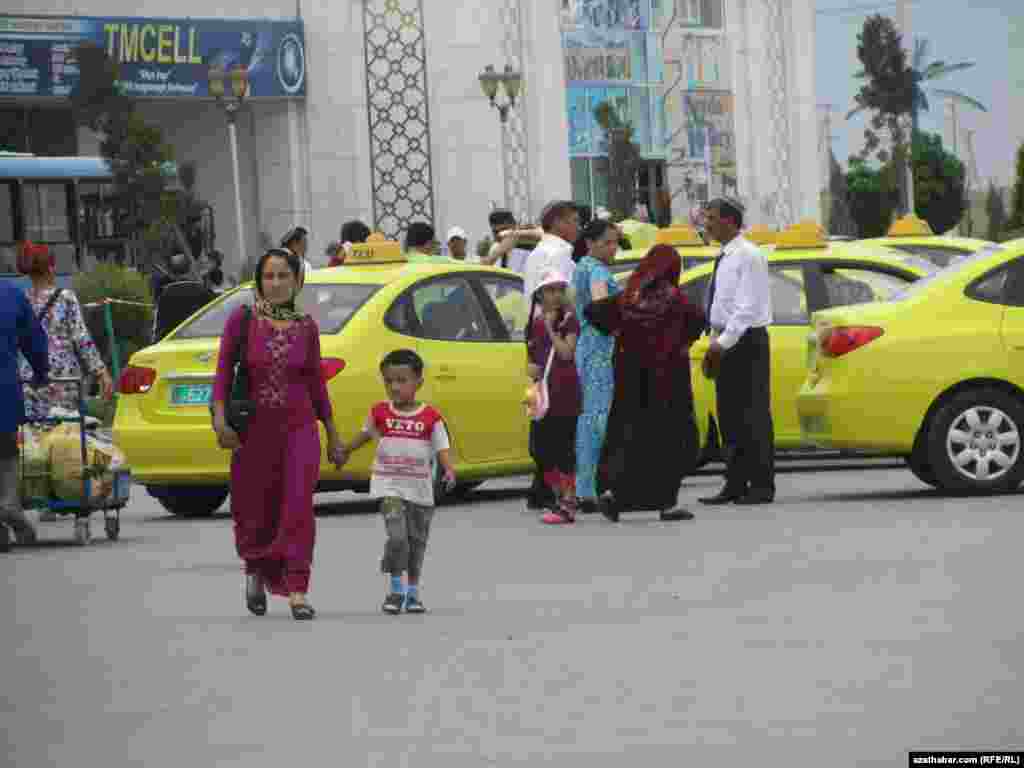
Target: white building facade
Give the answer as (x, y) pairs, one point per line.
(391, 125)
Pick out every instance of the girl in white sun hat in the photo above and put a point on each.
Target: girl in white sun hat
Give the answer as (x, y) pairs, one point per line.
(551, 349)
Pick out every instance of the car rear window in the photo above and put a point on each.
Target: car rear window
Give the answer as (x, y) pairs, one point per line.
(331, 305)
(947, 273)
(940, 255)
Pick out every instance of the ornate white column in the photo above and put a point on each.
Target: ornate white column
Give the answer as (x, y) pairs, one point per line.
(543, 99)
(776, 121)
(514, 133)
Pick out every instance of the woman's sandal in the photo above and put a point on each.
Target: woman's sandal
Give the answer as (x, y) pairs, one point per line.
(302, 611)
(255, 596)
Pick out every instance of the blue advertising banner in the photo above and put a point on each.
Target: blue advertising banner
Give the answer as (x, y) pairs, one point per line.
(158, 58)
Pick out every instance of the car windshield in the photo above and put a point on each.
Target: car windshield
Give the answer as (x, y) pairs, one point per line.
(946, 274)
(928, 267)
(331, 305)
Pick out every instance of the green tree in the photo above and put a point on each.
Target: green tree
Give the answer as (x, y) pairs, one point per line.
(893, 88)
(623, 157)
(940, 183)
(1016, 220)
(996, 210)
(872, 196)
(840, 220)
(141, 160)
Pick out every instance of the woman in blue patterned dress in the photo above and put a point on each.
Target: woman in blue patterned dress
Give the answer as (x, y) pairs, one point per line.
(592, 280)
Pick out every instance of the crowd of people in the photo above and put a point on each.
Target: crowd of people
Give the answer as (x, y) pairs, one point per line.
(612, 426)
(612, 429)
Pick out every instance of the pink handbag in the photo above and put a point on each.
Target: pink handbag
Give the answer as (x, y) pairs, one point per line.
(537, 397)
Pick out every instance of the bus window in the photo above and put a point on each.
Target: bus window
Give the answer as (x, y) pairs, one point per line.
(8, 255)
(98, 215)
(6, 213)
(46, 212)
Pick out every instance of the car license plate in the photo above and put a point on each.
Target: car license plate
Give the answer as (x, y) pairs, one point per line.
(191, 394)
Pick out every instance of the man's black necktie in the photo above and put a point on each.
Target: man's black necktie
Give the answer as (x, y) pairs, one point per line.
(711, 292)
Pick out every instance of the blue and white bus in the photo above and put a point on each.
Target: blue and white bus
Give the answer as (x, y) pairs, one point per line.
(64, 202)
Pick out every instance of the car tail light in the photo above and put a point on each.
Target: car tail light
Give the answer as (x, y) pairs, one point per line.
(838, 341)
(136, 380)
(331, 367)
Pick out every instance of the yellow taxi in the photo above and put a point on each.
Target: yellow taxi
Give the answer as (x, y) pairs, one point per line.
(934, 374)
(465, 320)
(641, 234)
(807, 273)
(913, 235)
(684, 239)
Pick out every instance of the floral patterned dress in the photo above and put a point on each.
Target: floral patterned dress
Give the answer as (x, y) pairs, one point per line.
(597, 377)
(71, 350)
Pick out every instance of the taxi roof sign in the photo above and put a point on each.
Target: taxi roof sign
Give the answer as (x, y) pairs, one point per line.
(761, 235)
(910, 226)
(678, 235)
(806, 234)
(376, 250)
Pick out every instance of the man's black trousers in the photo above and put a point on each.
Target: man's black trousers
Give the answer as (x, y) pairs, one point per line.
(743, 389)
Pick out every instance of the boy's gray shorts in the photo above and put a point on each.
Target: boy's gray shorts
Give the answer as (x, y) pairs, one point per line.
(408, 528)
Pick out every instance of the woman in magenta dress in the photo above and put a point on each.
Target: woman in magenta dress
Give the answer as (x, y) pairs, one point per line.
(276, 463)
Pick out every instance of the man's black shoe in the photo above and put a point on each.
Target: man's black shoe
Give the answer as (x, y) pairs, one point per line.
(673, 515)
(754, 498)
(725, 496)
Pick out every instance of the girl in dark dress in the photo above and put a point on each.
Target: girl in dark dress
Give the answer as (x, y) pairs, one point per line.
(652, 438)
(553, 337)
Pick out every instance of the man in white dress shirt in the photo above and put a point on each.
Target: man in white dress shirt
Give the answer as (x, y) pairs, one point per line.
(561, 224)
(739, 312)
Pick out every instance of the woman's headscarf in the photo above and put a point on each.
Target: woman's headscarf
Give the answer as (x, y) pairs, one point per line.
(286, 310)
(658, 324)
(35, 258)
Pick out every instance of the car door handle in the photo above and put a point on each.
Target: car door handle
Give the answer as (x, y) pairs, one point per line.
(445, 372)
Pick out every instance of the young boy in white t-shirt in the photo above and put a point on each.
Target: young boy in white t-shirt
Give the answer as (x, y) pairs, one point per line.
(411, 436)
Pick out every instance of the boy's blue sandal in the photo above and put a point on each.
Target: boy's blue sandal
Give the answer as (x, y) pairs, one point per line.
(413, 604)
(393, 603)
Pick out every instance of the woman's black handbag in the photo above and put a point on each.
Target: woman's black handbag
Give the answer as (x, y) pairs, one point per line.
(239, 407)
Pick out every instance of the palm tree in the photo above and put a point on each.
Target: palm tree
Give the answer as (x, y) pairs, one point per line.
(919, 74)
(894, 88)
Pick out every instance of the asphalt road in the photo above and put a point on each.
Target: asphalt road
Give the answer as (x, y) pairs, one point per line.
(859, 617)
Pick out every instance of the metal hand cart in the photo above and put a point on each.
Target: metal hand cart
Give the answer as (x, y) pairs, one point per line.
(82, 509)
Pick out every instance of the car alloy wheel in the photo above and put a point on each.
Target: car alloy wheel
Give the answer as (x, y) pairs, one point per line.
(983, 444)
(974, 441)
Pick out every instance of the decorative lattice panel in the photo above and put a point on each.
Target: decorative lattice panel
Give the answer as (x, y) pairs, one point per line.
(514, 132)
(776, 80)
(399, 114)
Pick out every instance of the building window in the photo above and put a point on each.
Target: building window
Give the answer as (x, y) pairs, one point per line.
(711, 14)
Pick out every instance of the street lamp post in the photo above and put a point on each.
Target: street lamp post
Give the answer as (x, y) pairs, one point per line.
(231, 103)
(511, 83)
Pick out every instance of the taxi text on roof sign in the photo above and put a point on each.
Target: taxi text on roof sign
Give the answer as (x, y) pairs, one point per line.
(678, 235)
(806, 234)
(376, 250)
(761, 235)
(910, 226)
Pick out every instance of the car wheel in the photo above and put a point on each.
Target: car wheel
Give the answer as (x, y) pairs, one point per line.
(441, 494)
(464, 489)
(922, 470)
(189, 500)
(974, 442)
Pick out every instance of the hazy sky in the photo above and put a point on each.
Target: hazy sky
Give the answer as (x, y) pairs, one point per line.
(988, 32)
